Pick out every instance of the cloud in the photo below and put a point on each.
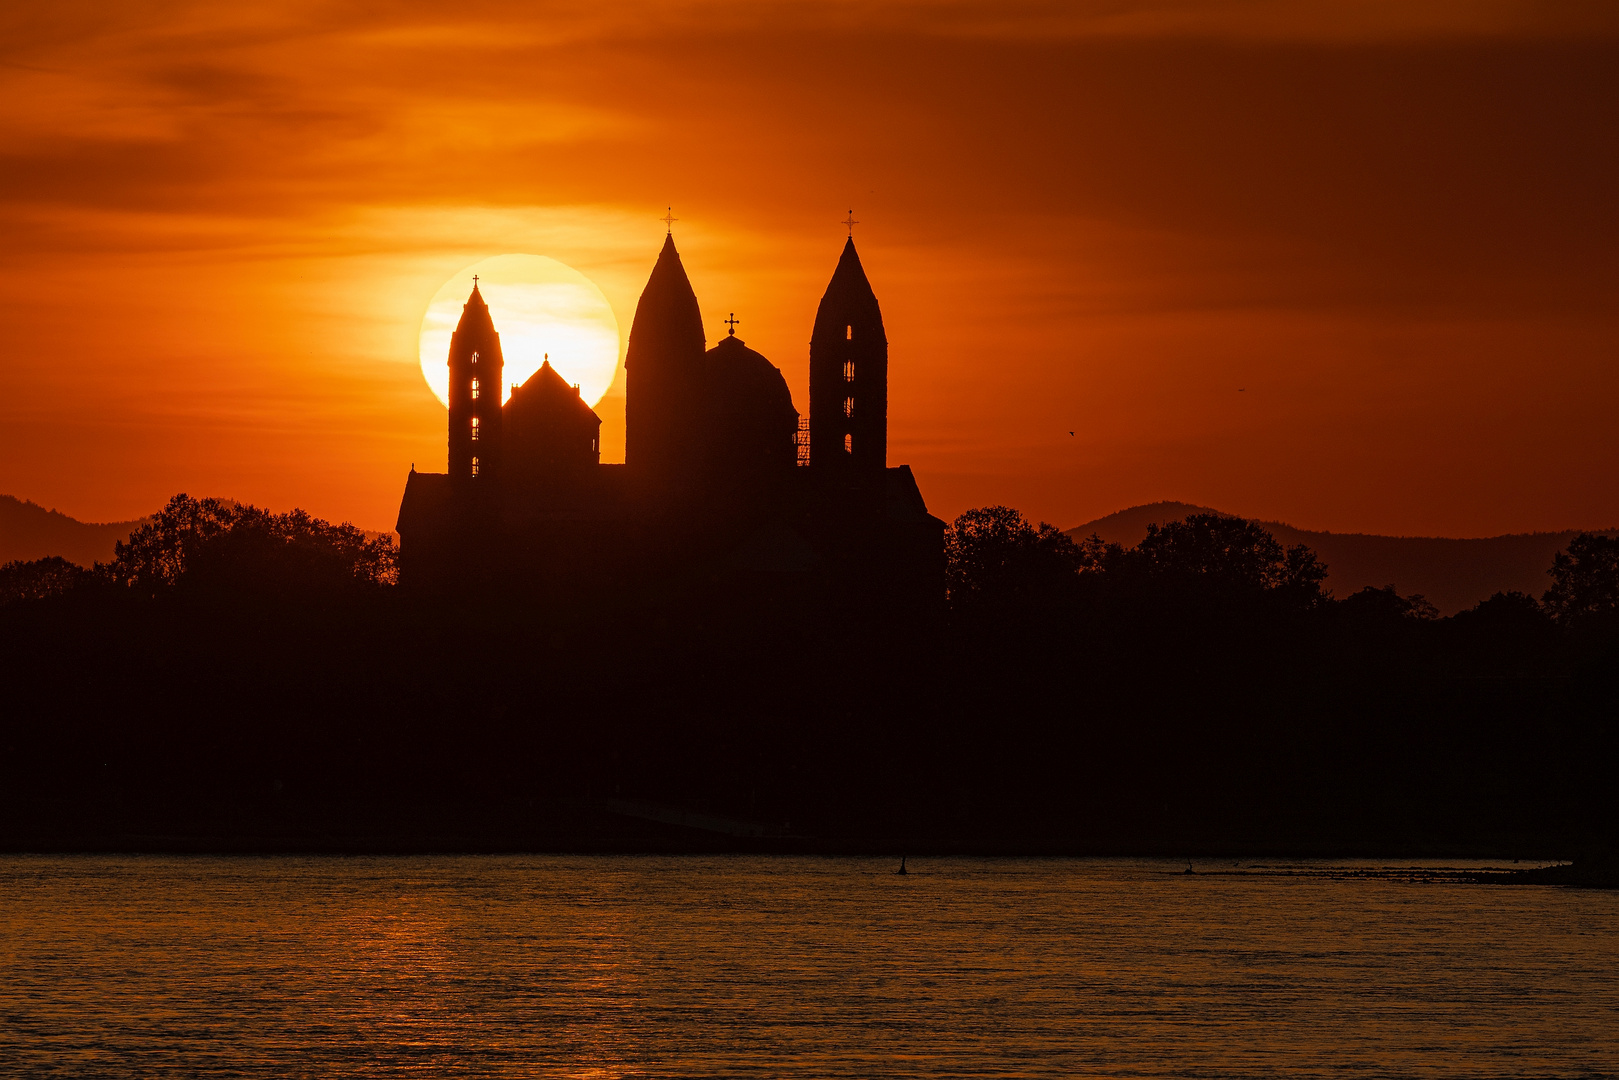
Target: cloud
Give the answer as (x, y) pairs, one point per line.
(238, 211)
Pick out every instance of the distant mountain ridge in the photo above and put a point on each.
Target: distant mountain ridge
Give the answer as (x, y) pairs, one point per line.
(1453, 574)
(29, 531)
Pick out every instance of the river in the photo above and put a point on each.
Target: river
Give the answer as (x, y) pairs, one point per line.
(796, 967)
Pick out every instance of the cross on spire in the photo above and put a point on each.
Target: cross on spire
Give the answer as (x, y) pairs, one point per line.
(731, 322)
(474, 282)
(851, 222)
(669, 220)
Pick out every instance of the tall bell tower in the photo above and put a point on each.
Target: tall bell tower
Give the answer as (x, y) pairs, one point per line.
(849, 376)
(477, 372)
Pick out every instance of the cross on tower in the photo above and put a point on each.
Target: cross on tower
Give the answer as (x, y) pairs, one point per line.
(669, 220)
(731, 322)
(474, 281)
(851, 222)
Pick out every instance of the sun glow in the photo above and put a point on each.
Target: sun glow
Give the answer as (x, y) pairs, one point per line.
(540, 306)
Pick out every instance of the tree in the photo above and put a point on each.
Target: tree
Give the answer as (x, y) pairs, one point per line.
(1506, 610)
(1372, 604)
(38, 579)
(994, 554)
(1232, 554)
(212, 545)
(1508, 634)
(1585, 579)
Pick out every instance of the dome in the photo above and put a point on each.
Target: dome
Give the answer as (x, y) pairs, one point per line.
(752, 422)
(735, 369)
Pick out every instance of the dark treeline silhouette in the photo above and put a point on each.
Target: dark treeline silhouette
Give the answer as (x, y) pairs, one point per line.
(240, 679)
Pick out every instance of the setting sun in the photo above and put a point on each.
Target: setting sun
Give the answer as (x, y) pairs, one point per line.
(542, 308)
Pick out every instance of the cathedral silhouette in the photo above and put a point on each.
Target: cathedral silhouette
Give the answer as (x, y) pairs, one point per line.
(725, 492)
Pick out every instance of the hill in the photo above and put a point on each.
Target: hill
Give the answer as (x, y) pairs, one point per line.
(1453, 574)
(29, 531)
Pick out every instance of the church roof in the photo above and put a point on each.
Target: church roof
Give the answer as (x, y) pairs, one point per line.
(734, 353)
(475, 303)
(546, 387)
(475, 313)
(849, 298)
(547, 375)
(902, 498)
(667, 313)
(427, 502)
(747, 378)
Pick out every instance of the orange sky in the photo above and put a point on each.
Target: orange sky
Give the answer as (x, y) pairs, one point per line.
(1395, 229)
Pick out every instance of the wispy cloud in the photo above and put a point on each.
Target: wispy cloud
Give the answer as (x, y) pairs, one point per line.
(1078, 212)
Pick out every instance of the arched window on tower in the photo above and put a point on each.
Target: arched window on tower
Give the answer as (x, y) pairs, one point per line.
(848, 333)
(848, 446)
(474, 389)
(474, 358)
(848, 371)
(474, 466)
(474, 429)
(848, 406)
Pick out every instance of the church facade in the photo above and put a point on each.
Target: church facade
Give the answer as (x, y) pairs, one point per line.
(725, 490)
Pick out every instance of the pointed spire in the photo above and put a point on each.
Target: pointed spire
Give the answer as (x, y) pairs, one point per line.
(663, 368)
(475, 307)
(849, 265)
(849, 297)
(668, 308)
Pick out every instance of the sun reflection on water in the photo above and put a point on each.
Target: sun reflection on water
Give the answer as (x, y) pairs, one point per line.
(627, 967)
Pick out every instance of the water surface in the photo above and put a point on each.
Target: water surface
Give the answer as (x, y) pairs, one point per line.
(793, 967)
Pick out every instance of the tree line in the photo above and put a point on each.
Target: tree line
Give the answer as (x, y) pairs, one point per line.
(198, 546)
(236, 672)
(997, 559)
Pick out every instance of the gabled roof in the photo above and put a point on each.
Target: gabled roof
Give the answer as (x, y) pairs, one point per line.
(547, 387)
(902, 498)
(426, 505)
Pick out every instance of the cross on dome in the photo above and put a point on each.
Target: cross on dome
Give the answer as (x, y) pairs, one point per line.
(731, 322)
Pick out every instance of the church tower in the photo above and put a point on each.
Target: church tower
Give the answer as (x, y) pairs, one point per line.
(849, 376)
(663, 369)
(477, 372)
